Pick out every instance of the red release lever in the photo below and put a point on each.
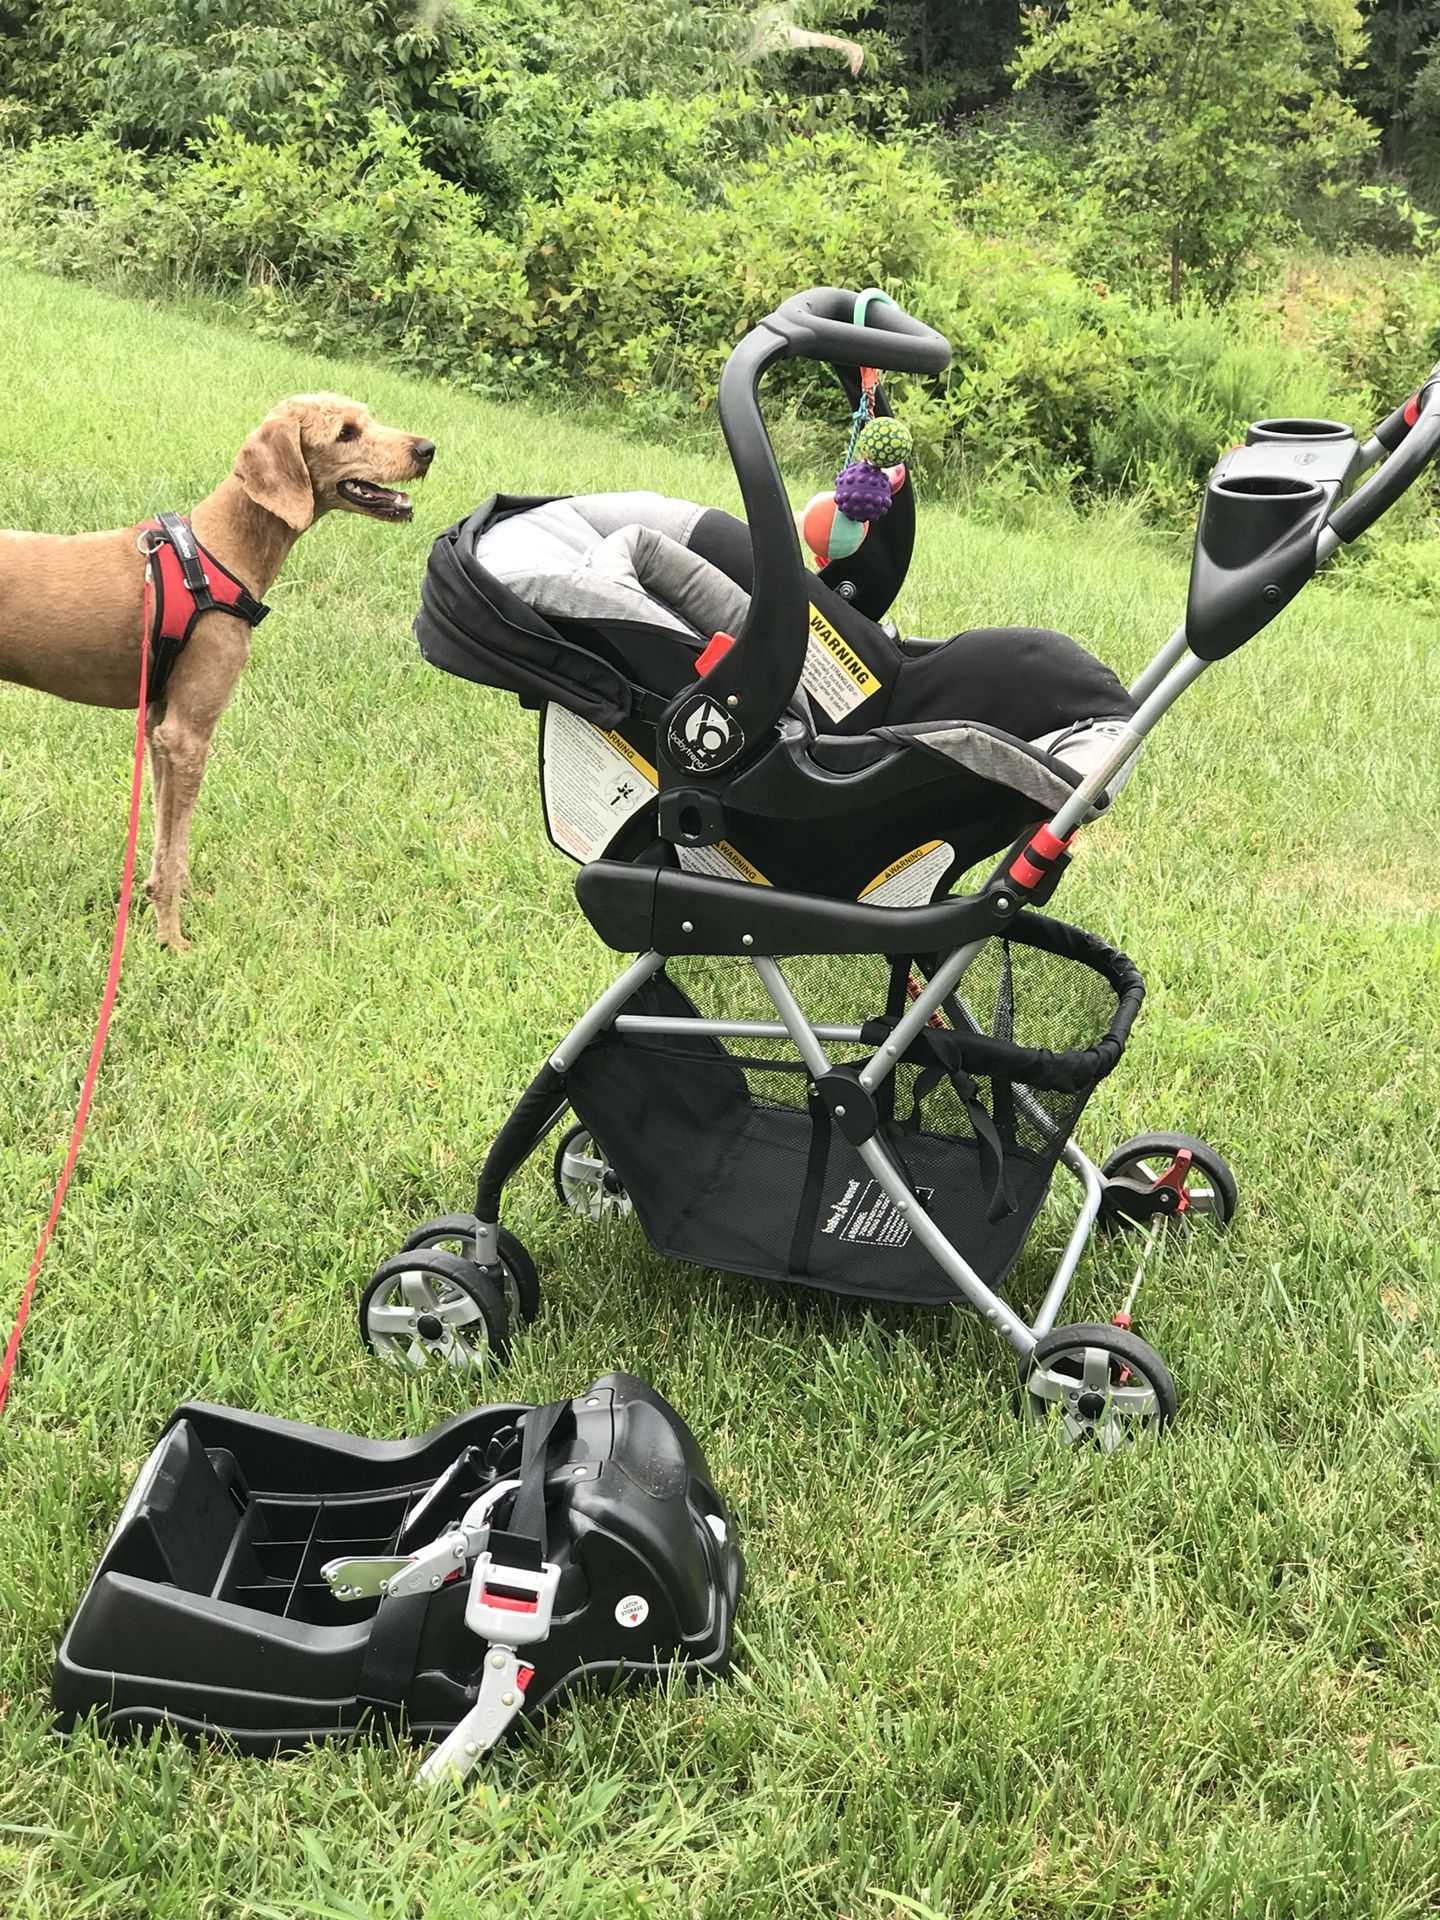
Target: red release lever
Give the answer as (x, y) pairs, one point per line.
(511, 1603)
(720, 644)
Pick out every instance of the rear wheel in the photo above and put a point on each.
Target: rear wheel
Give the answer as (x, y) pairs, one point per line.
(1098, 1385)
(585, 1182)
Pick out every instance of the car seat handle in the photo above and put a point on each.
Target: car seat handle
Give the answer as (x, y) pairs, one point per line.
(729, 721)
(819, 325)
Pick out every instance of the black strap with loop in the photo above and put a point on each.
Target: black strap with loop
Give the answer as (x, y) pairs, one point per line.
(946, 1064)
(807, 1216)
(816, 1161)
(388, 1667)
(523, 1540)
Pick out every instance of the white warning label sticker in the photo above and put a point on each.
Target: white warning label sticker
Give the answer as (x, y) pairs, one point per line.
(865, 1213)
(722, 860)
(911, 881)
(835, 676)
(592, 781)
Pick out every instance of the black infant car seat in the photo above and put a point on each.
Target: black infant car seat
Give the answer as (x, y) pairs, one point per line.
(705, 700)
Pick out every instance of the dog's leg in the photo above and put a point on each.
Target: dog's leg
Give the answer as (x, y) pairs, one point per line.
(181, 748)
(159, 767)
(196, 696)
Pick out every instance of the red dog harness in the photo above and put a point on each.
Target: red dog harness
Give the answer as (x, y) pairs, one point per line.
(188, 582)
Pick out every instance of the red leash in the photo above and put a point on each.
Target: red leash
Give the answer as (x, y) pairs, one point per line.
(107, 1007)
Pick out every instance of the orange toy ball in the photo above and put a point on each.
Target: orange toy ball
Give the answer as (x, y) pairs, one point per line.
(829, 534)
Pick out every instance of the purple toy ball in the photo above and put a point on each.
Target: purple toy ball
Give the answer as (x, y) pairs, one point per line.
(862, 492)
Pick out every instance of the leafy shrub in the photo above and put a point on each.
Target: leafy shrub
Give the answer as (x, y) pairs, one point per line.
(640, 291)
(613, 227)
(304, 72)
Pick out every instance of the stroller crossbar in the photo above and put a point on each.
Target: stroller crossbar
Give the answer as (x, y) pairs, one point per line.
(730, 1029)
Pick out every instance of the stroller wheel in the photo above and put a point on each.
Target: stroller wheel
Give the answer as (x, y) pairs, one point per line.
(428, 1305)
(585, 1182)
(455, 1233)
(1149, 1165)
(1098, 1384)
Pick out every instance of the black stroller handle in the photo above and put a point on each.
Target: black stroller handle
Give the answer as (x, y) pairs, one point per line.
(746, 691)
(1414, 442)
(1394, 427)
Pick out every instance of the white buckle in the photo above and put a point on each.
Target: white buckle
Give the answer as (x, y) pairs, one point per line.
(511, 1606)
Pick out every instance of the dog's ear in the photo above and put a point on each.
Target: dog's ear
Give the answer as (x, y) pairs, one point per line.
(271, 468)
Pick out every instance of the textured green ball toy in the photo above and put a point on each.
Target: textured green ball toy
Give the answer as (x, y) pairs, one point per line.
(884, 442)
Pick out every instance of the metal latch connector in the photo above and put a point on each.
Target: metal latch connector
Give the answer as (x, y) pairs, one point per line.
(502, 1695)
(429, 1567)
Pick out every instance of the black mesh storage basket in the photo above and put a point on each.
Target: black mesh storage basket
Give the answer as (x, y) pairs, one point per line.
(732, 1162)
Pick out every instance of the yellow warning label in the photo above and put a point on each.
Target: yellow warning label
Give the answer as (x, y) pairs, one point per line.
(841, 650)
(722, 861)
(745, 868)
(911, 880)
(637, 760)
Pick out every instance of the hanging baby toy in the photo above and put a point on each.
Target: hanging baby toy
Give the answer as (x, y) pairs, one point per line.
(833, 524)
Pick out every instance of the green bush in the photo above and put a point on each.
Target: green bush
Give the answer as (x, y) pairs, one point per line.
(638, 292)
(523, 197)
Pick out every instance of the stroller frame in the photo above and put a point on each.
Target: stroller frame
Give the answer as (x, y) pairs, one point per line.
(545, 1104)
(510, 1151)
(1275, 511)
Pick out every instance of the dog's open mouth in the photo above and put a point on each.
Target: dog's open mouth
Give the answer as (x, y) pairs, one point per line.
(384, 503)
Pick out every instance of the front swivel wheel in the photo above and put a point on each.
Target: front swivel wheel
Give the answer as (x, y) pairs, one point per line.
(1167, 1181)
(429, 1306)
(455, 1233)
(1097, 1384)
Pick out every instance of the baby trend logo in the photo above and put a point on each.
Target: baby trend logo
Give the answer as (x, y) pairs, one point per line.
(837, 1214)
(702, 735)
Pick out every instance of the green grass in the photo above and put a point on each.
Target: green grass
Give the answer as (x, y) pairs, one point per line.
(974, 1676)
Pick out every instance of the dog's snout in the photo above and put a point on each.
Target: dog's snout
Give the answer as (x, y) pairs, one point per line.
(424, 451)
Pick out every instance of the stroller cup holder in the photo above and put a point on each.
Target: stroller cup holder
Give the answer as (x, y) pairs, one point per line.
(1257, 543)
(243, 1592)
(1288, 432)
